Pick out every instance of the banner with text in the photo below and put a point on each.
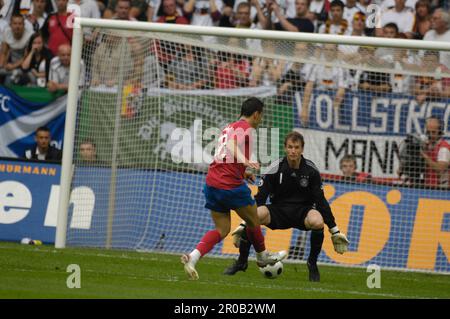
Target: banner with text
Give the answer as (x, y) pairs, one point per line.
(367, 125)
(19, 119)
(391, 226)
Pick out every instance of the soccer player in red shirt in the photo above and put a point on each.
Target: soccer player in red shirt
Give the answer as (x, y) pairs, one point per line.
(225, 189)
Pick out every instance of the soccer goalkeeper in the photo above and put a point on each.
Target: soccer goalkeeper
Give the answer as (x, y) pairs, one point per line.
(294, 186)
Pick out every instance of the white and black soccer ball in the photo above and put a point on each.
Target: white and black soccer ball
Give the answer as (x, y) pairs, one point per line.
(272, 271)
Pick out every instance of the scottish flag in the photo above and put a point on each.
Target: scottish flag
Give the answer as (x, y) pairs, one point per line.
(19, 119)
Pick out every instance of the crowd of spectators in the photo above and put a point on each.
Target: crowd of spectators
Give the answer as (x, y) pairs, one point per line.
(35, 35)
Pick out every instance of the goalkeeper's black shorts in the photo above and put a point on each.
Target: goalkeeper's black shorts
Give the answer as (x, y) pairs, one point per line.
(288, 216)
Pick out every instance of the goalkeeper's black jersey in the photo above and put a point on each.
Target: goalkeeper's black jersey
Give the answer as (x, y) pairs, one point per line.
(287, 186)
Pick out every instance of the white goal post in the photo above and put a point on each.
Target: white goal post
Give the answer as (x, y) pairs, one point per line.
(372, 126)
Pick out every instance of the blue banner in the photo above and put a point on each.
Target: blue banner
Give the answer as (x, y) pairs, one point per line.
(372, 113)
(27, 192)
(390, 226)
(20, 118)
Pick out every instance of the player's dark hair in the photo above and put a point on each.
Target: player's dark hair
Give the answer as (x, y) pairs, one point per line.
(294, 137)
(250, 106)
(43, 129)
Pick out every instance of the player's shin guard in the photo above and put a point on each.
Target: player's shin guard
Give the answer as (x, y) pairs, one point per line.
(209, 240)
(256, 238)
(316, 245)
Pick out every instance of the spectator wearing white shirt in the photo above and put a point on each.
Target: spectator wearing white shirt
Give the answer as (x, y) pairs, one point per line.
(325, 78)
(350, 52)
(389, 31)
(15, 41)
(58, 78)
(37, 15)
(440, 31)
(351, 8)
(336, 24)
(204, 12)
(88, 8)
(386, 4)
(401, 15)
(400, 82)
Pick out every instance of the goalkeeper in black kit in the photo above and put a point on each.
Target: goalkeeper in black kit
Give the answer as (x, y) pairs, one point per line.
(294, 187)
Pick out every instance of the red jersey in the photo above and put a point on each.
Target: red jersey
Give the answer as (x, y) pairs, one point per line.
(225, 172)
(433, 178)
(57, 31)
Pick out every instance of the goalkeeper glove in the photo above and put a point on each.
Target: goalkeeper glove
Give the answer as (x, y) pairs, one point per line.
(237, 234)
(340, 241)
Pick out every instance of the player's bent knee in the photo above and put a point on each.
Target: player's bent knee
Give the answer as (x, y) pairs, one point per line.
(263, 215)
(314, 220)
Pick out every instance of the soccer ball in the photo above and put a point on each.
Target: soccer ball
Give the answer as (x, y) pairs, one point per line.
(272, 271)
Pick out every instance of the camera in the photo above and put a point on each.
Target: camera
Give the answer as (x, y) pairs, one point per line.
(411, 161)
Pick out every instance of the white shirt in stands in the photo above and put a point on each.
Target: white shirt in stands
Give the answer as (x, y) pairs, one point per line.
(431, 35)
(404, 19)
(16, 47)
(330, 78)
(349, 13)
(316, 6)
(390, 3)
(204, 19)
(88, 8)
(60, 74)
(334, 28)
(400, 83)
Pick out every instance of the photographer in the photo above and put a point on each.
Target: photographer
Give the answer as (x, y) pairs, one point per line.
(425, 160)
(436, 154)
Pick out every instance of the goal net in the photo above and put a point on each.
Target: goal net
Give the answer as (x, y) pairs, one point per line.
(374, 114)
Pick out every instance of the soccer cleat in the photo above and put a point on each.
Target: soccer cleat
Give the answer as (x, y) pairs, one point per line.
(314, 274)
(264, 258)
(235, 267)
(189, 268)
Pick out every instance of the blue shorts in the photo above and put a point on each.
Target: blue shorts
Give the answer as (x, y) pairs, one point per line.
(224, 200)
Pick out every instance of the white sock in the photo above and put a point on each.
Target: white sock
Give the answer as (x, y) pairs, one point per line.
(194, 256)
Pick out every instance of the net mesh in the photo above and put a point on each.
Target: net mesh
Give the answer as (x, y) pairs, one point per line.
(154, 103)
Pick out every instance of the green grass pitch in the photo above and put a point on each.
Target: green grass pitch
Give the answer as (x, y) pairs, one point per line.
(41, 272)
